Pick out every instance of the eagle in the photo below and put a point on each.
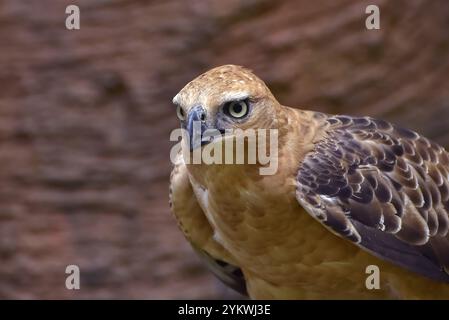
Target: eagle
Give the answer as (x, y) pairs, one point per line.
(348, 193)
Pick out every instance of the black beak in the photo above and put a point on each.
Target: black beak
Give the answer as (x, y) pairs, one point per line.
(196, 126)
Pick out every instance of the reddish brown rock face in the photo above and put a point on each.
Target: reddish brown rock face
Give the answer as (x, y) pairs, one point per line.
(85, 118)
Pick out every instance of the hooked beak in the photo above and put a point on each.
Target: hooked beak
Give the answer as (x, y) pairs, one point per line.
(196, 126)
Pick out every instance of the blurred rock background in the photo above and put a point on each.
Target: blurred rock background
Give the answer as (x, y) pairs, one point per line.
(85, 118)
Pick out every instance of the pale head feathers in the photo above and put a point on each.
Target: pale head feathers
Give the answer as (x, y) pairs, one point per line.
(214, 88)
(221, 84)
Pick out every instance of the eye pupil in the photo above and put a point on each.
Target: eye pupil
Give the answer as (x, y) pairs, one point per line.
(237, 109)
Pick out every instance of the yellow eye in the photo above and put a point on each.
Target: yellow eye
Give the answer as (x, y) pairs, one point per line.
(180, 113)
(237, 109)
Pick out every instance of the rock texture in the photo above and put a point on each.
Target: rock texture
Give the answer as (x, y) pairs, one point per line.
(85, 118)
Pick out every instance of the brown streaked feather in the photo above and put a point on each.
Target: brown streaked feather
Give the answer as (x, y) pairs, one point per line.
(197, 230)
(383, 187)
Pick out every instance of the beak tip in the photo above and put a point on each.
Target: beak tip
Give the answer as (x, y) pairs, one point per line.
(196, 127)
(197, 143)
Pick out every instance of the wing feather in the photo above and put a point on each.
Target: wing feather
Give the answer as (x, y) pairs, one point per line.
(383, 187)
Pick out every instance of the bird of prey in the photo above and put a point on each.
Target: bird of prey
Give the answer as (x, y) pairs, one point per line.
(348, 193)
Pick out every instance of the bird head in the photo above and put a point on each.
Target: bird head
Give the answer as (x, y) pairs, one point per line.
(223, 99)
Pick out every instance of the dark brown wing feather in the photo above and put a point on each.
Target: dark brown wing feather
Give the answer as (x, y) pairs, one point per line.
(383, 187)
